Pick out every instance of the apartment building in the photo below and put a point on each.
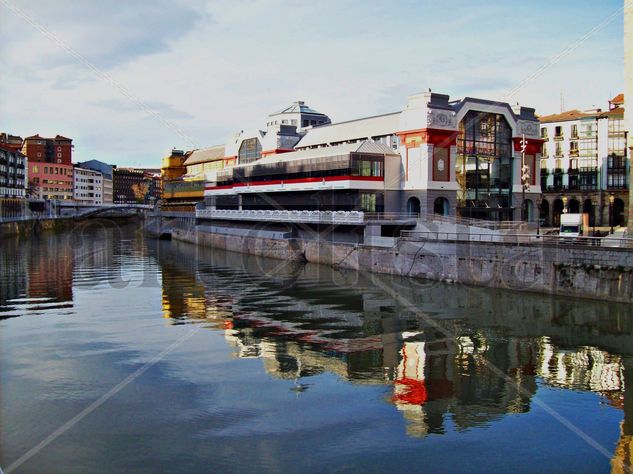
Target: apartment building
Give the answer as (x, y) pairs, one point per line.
(584, 164)
(87, 186)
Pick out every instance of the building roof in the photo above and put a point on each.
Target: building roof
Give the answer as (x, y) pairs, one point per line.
(104, 168)
(296, 107)
(205, 155)
(57, 137)
(567, 116)
(364, 128)
(616, 111)
(8, 148)
(618, 99)
(338, 150)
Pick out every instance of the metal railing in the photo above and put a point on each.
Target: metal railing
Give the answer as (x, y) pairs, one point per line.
(317, 217)
(471, 222)
(517, 238)
(390, 216)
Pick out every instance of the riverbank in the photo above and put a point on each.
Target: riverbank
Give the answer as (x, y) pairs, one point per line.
(578, 271)
(28, 227)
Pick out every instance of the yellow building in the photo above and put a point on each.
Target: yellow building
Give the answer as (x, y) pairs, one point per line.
(173, 166)
(200, 162)
(187, 173)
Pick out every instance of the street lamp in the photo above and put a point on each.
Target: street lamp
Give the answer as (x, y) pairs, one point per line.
(564, 198)
(539, 203)
(611, 201)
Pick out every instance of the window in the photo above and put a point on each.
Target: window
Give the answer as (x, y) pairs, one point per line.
(250, 150)
(59, 155)
(306, 123)
(39, 154)
(559, 149)
(558, 132)
(574, 131)
(544, 133)
(36, 169)
(484, 166)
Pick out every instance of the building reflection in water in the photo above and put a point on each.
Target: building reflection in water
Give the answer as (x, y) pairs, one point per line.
(37, 273)
(44, 270)
(306, 320)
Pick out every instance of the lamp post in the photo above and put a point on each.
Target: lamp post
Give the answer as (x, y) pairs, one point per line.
(611, 200)
(564, 198)
(525, 179)
(539, 203)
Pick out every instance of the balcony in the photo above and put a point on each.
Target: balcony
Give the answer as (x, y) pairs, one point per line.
(559, 137)
(574, 152)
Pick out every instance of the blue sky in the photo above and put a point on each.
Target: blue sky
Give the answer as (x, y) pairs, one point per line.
(204, 70)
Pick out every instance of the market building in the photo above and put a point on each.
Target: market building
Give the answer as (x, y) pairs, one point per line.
(436, 156)
(584, 165)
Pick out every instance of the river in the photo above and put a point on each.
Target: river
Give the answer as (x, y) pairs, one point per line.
(120, 352)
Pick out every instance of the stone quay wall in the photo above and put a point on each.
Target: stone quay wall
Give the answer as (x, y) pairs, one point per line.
(588, 272)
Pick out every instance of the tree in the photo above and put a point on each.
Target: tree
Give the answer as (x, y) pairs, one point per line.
(140, 191)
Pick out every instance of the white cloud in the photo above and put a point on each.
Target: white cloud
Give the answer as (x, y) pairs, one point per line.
(216, 68)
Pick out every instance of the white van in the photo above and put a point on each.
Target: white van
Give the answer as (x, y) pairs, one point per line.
(573, 225)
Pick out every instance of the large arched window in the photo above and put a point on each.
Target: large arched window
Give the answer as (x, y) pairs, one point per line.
(250, 150)
(484, 166)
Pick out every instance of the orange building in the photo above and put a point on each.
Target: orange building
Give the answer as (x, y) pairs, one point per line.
(50, 166)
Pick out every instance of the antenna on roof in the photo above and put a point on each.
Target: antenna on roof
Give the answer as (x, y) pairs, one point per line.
(562, 101)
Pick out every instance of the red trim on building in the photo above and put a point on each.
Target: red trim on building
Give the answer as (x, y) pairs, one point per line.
(276, 151)
(533, 145)
(441, 138)
(298, 180)
(433, 136)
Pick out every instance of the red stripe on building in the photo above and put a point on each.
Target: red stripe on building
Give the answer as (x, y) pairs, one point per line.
(298, 181)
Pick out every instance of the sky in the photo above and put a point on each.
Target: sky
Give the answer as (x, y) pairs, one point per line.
(128, 81)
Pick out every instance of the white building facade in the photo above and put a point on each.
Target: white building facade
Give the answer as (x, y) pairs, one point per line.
(88, 186)
(435, 156)
(13, 173)
(584, 165)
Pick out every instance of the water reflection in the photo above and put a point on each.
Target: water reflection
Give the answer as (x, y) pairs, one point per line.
(467, 364)
(35, 277)
(303, 320)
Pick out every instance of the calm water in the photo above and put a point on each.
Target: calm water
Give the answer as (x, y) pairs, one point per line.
(120, 353)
